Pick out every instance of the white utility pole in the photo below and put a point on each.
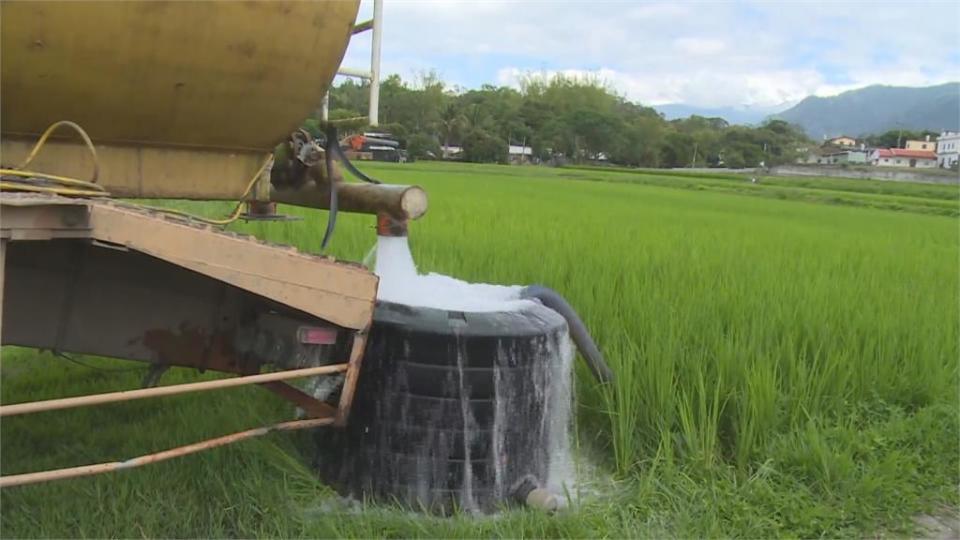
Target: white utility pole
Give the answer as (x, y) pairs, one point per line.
(374, 113)
(373, 74)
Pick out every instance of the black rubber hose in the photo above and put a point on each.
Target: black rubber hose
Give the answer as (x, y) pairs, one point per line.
(332, 216)
(333, 144)
(578, 331)
(332, 150)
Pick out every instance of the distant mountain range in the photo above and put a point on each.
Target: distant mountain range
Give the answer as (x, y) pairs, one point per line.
(876, 109)
(872, 109)
(745, 115)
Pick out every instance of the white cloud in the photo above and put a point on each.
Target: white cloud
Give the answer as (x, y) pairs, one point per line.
(707, 54)
(704, 88)
(699, 46)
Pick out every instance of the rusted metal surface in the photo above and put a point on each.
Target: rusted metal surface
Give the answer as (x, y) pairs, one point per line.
(123, 304)
(388, 226)
(113, 279)
(313, 407)
(100, 468)
(193, 347)
(350, 381)
(60, 219)
(341, 293)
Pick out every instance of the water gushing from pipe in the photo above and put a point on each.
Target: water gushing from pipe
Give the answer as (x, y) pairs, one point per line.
(503, 406)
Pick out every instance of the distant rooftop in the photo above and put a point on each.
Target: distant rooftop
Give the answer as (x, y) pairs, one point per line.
(900, 152)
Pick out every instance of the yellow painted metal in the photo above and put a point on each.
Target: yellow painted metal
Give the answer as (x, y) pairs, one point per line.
(147, 172)
(236, 75)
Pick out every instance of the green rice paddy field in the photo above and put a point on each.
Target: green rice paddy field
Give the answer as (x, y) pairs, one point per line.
(786, 356)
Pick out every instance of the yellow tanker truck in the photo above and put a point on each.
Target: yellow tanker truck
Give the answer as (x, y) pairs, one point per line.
(104, 102)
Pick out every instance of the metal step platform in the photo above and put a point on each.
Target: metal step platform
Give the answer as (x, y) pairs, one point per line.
(109, 278)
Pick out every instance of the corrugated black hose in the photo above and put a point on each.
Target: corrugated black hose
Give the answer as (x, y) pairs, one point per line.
(578, 331)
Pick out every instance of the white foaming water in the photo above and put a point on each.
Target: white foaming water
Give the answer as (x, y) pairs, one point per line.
(552, 385)
(561, 476)
(401, 284)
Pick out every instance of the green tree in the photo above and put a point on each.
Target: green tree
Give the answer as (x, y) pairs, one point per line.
(677, 150)
(480, 146)
(312, 126)
(453, 123)
(781, 142)
(640, 144)
(423, 146)
(351, 96)
(897, 138)
(574, 117)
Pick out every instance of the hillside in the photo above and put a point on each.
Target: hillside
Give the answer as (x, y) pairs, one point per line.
(744, 115)
(877, 108)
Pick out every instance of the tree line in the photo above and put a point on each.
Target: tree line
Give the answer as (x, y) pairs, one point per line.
(563, 119)
(897, 138)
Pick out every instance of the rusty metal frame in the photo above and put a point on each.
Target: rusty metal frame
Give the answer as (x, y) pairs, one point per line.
(159, 391)
(100, 468)
(318, 414)
(221, 276)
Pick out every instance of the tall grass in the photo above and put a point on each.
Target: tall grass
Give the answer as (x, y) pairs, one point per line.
(727, 319)
(946, 191)
(772, 358)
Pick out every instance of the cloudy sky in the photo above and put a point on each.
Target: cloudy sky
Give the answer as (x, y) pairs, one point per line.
(709, 54)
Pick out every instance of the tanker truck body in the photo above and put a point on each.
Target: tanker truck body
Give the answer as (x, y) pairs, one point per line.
(103, 102)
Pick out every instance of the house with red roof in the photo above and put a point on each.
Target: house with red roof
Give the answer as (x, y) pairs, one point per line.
(901, 157)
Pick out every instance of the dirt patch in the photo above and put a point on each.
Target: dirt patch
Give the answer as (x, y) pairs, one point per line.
(942, 526)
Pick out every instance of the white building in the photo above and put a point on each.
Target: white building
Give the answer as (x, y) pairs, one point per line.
(900, 157)
(519, 154)
(845, 156)
(948, 149)
(451, 152)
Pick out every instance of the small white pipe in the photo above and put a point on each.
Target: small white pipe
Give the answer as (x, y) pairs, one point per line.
(542, 500)
(374, 114)
(354, 72)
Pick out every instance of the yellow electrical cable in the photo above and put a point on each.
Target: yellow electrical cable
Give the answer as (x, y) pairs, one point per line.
(97, 191)
(18, 186)
(94, 190)
(236, 211)
(53, 178)
(46, 134)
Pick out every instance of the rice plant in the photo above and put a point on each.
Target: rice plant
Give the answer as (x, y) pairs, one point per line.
(786, 365)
